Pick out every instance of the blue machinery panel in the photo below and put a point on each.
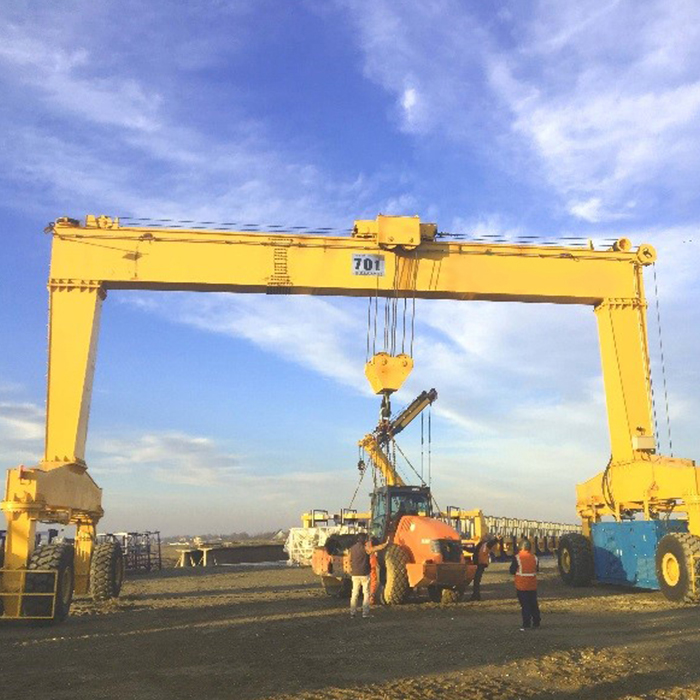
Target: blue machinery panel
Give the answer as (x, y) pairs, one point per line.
(625, 553)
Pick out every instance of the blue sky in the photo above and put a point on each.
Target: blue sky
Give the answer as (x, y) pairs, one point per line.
(223, 413)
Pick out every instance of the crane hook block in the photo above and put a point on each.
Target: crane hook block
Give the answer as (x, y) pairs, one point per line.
(386, 373)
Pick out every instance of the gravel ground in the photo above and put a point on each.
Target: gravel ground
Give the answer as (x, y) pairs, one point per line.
(257, 633)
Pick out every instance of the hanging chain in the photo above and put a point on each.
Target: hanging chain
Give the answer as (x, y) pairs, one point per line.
(430, 441)
(403, 333)
(413, 469)
(422, 443)
(394, 317)
(663, 363)
(369, 328)
(363, 471)
(414, 283)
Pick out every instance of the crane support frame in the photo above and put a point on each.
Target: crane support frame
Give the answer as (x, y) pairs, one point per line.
(88, 260)
(391, 257)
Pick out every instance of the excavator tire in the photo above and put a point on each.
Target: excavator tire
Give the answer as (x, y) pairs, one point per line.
(575, 560)
(678, 567)
(396, 587)
(59, 558)
(106, 570)
(435, 593)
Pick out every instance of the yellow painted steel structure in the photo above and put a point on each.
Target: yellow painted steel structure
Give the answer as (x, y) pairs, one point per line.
(389, 256)
(373, 443)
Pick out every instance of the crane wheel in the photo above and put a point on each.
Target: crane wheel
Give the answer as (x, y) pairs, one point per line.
(59, 558)
(678, 567)
(396, 587)
(575, 560)
(106, 570)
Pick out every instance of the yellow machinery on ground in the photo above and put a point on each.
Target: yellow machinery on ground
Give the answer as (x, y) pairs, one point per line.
(390, 257)
(423, 552)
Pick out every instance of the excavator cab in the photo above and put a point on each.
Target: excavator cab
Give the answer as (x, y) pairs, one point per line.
(390, 503)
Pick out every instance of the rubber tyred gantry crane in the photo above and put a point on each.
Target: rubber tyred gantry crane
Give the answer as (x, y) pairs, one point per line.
(398, 257)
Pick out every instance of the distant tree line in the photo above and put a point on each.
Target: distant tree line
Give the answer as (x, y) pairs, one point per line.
(218, 537)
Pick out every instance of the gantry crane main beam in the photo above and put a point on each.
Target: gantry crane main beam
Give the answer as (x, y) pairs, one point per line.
(393, 256)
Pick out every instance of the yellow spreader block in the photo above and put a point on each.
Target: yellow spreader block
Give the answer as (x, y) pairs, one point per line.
(387, 373)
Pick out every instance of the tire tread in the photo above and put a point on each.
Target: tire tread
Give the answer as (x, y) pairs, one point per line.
(396, 588)
(582, 567)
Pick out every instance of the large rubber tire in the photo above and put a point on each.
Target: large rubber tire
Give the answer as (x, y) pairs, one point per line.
(396, 588)
(575, 560)
(106, 570)
(678, 567)
(58, 557)
(435, 593)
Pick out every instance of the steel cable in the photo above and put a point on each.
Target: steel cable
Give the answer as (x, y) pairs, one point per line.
(663, 363)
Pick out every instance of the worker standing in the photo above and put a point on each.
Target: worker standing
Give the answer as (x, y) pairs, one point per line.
(525, 566)
(483, 559)
(360, 570)
(373, 576)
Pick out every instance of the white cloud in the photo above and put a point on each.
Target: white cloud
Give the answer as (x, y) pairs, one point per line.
(21, 421)
(21, 433)
(309, 331)
(53, 72)
(170, 457)
(589, 210)
(411, 105)
(603, 143)
(600, 100)
(115, 141)
(181, 483)
(7, 387)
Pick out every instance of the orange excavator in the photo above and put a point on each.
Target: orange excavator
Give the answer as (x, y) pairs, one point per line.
(423, 552)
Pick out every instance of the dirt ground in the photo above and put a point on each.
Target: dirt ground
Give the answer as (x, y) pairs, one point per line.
(255, 633)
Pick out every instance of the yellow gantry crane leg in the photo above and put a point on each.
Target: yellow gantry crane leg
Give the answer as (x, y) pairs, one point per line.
(60, 489)
(74, 322)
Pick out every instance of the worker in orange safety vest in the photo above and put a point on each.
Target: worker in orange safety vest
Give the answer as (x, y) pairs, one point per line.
(373, 579)
(482, 558)
(525, 566)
